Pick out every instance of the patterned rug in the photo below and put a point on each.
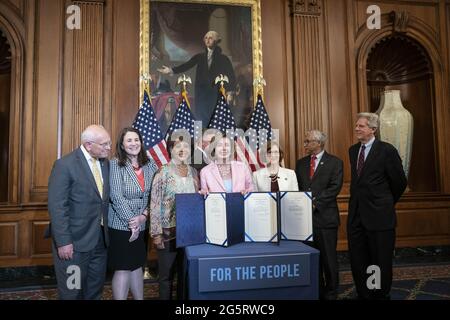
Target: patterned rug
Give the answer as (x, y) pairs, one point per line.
(410, 283)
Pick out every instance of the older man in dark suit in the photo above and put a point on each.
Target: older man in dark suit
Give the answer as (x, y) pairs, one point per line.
(321, 173)
(78, 198)
(378, 181)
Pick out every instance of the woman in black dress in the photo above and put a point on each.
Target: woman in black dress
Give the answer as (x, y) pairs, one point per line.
(131, 176)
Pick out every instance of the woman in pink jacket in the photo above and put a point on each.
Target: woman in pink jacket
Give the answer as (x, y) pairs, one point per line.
(224, 174)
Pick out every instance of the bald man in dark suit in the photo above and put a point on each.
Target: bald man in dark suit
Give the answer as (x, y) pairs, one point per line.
(78, 200)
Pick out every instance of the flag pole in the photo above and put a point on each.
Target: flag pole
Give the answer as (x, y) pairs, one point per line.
(184, 80)
(146, 78)
(259, 83)
(222, 79)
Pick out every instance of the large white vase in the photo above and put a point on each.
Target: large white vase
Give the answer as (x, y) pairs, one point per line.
(396, 125)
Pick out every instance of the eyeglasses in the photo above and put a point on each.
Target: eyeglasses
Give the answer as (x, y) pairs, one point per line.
(103, 145)
(305, 142)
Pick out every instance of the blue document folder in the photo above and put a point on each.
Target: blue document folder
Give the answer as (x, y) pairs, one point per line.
(191, 221)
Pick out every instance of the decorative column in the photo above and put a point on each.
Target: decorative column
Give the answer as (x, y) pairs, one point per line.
(84, 74)
(309, 67)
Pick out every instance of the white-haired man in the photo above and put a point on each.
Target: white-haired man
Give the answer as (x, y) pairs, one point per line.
(209, 64)
(78, 199)
(322, 173)
(377, 182)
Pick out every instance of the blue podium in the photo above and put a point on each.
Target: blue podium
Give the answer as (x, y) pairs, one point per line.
(252, 271)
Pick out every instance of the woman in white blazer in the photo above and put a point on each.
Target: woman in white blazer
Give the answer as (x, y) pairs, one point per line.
(275, 178)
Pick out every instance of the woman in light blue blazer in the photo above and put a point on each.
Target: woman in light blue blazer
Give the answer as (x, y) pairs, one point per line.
(131, 175)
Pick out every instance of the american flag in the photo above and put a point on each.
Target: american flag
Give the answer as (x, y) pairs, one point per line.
(222, 118)
(183, 119)
(260, 123)
(147, 124)
(260, 131)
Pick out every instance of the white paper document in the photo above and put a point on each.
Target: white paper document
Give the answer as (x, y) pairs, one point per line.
(261, 217)
(216, 219)
(296, 216)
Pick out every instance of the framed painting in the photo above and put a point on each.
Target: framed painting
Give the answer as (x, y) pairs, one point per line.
(201, 39)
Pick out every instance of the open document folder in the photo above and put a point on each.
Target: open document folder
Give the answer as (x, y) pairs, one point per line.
(229, 218)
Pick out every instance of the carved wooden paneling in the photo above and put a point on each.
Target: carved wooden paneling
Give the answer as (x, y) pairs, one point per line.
(447, 25)
(39, 245)
(427, 11)
(83, 102)
(87, 69)
(340, 133)
(17, 6)
(421, 223)
(5, 92)
(399, 63)
(47, 90)
(8, 239)
(310, 67)
(74, 77)
(125, 99)
(396, 60)
(422, 220)
(419, 21)
(12, 26)
(274, 58)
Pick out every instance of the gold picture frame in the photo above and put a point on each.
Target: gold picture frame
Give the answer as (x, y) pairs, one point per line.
(145, 38)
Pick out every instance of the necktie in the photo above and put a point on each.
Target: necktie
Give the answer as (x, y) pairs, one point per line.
(97, 176)
(312, 166)
(360, 165)
(209, 59)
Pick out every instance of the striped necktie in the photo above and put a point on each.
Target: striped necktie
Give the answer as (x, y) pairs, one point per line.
(361, 160)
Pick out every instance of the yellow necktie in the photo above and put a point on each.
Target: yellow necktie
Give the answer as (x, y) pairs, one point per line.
(97, 176)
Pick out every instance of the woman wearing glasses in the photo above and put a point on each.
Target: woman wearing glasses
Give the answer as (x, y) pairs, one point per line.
(131, 175)
(275, 178)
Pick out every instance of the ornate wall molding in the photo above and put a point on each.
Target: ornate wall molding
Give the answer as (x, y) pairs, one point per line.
(306, 7)
(421, 32)
(399, 20)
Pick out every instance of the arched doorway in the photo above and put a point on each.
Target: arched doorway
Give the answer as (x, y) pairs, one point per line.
(398, 62)
(5, 99)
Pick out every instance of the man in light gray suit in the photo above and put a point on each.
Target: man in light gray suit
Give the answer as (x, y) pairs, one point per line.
(78, 198)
